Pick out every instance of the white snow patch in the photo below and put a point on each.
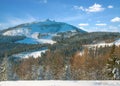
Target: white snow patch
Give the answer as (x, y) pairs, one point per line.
(99, 45)
(17, 32)
(34, 54)
(35, 35)
(66, 67)
(49, 41)
(81, 53)
(73, 31)
(118, 62)
(60, 83)
(103, 44)
(114, 70)
(117, 42)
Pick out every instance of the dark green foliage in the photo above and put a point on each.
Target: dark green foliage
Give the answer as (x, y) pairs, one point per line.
(14, 48)
(93, 37)
(10, 39)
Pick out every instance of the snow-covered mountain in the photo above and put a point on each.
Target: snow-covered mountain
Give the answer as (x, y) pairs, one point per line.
(40, 32)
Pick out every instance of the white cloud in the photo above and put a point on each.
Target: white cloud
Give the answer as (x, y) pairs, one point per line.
(116, 19)
(93, 8)
(101, 24)
(83, 24)
(79, 8)
(110, 6)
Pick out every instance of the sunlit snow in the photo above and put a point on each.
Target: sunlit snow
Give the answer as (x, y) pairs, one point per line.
(60, 83)
(117, 43)
(34, 54)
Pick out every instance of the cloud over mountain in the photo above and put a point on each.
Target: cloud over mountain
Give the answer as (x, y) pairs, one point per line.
(93, 8)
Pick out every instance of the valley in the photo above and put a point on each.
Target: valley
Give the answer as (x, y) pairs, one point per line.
(52, 50)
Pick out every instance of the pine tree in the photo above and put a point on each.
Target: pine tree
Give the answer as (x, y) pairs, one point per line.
(113, 65)
(67, 72)
(3, 69)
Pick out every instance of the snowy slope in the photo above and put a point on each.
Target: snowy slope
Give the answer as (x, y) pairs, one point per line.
(40, 32)
(36, 41)
(99, 45)
(60, 83)
(117, 43)
(17, 32)
(34, 54)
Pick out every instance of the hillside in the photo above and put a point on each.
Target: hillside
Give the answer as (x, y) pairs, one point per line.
(40, 32)
(52, 50)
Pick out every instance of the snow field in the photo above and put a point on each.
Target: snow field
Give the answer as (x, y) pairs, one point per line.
(60, 83)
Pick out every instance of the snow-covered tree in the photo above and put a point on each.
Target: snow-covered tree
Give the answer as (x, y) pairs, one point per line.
(113, 65)
(4, 69)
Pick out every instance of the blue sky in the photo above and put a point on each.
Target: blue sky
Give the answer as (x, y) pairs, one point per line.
(89, 15)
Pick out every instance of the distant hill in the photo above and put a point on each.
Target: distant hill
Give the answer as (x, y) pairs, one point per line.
(40, 32)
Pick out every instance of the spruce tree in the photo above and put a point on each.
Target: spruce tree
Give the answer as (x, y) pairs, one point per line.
(113, 65)
(3, 69)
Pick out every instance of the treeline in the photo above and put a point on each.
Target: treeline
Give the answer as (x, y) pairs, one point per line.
(67, 59)
(14, 48)
(10, 39)
(90, 64)
(89, 38)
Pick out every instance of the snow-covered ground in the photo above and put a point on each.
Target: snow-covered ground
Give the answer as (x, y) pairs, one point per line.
(60, 83)
(117, 43)
(17, 32)
(99, 45)
(49, 41)
(36, 41)
(34, 54)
